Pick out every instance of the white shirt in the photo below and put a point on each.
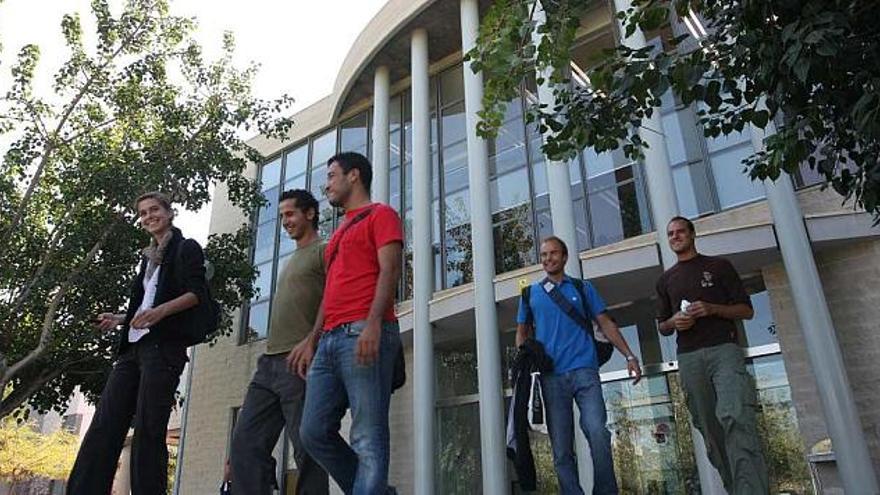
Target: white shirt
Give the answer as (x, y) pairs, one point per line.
(135, 334)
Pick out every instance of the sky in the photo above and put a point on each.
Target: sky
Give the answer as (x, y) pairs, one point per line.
(299, 44)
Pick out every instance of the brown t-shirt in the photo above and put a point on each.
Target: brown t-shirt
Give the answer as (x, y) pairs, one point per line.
(704, 278)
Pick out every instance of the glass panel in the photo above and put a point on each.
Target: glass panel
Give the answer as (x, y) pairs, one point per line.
(509, 190)
(729, 141)
(263, 284)
(761, 329)
(297, 162)
(295, 183)
(458, 450)
(675, 147)
(615, 210)
(264, 246)
(451, 86)
(597, 165)
(651, 441)
(271, 174)
(258, 321)
(684, 190)
(508, 151)
(326, 214)
(456, 365)
(778, 428)
(733, 184)
(323, 147)
(618, 362)
(459, 266)
(269, 212)
(514, 239)
(394, 113)
(354, 134)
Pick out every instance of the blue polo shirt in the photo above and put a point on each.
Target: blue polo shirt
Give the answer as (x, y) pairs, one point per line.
(563, 339)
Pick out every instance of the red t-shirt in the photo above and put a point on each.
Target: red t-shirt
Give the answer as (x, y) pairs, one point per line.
(354, 273)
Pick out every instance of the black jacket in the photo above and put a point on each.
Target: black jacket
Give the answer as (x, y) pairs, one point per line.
(529, 358)
(174, 281)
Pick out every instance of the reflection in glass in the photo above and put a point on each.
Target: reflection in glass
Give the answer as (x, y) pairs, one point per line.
(731, 181)
(354, 135)
(269, 212)
(265, 242)
(263, 284)
(297, 162)
(258, 321)
(271, 174)
(458, 450)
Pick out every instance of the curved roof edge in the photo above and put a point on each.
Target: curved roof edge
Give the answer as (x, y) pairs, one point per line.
(381, 29)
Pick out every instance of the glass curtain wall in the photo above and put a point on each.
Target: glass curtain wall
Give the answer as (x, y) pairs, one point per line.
(651, 436)
(302, 166)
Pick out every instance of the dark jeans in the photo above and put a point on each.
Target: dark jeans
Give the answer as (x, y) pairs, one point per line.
(274, 400)
(141, 387)
(336, 382)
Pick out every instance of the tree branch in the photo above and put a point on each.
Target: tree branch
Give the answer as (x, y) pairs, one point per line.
(50, 143)
(49, 317)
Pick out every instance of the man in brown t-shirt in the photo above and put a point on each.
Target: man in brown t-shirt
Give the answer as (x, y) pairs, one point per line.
(700, 298)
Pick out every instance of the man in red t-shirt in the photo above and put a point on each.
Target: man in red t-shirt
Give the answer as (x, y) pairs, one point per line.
(349, 358)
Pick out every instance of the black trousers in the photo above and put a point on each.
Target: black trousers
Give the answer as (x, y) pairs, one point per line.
(274, 400)
(139, 393)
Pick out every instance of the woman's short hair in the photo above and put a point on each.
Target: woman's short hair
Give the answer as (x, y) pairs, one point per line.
(160, 197)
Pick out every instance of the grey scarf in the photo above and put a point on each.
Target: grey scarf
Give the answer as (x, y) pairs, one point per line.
(155, 252)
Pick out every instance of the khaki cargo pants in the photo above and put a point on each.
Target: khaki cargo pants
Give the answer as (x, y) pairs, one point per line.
(722, 401)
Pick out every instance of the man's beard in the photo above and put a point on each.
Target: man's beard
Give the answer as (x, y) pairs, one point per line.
(335, 203)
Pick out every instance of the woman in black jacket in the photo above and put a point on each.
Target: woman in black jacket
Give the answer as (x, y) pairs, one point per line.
(150, 358)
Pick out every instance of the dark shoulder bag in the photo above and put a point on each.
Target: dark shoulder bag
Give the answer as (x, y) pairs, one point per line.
(603, 349)
(206, 315)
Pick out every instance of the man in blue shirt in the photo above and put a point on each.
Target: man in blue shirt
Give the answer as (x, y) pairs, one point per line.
(575, 374)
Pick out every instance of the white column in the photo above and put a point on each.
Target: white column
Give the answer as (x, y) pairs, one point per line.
(381, 151)
(658, 174)
(492, 440)
(423, 273)
(835, 393)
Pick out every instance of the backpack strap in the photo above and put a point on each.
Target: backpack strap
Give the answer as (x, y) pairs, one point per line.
(525, 300)
(566, 307)
(351, 223)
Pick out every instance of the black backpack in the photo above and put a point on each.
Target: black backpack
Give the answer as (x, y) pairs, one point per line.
(604, 349)
(205, 316)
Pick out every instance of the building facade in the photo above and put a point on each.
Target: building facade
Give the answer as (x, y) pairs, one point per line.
(405, 98)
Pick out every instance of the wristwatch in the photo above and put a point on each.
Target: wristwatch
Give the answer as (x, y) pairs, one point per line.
(631, 358)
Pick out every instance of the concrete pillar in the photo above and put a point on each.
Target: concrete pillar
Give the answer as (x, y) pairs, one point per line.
(122, 480)
(835, 393)
(658, 173)
(423, 273)
(381, 123)
(492, 440)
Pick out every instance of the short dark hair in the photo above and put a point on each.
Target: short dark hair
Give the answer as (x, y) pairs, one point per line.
(559, 241)
(349, 160)
(690, 225)
(304, 201)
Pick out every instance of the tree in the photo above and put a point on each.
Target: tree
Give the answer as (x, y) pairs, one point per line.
(27, 454)
(811, 65)
(140, 110)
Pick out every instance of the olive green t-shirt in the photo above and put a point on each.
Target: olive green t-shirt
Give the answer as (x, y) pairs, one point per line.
(297, 298)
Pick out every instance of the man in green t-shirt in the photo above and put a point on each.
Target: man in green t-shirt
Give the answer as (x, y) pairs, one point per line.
(275, 396)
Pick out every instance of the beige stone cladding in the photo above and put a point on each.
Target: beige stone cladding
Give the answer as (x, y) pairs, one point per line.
(850, 275)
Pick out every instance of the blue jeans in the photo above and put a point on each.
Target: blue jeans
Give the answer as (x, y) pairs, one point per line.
(336, 382)
(583, 386)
